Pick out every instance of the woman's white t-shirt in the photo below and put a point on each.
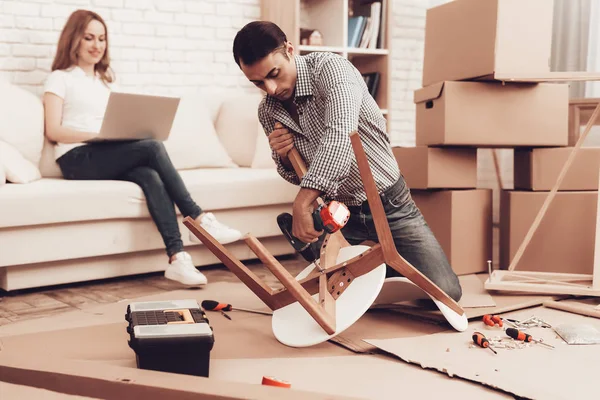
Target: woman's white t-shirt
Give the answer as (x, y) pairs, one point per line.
(84, 102)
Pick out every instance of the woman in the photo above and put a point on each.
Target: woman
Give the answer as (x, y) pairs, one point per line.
(75, 98)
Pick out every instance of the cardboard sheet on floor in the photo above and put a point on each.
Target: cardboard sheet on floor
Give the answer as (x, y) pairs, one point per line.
(505, 302)
(113, 382)
(474, 294)
(99, 333)
(567, 372)
(385, 323)
(12, 391)
(366, 376)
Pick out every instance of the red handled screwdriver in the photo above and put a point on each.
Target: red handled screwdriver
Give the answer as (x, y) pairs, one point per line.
(481, 341)
(518, 335)
(212, 305)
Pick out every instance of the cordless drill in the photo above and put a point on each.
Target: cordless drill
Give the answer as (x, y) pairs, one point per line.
(329, 217)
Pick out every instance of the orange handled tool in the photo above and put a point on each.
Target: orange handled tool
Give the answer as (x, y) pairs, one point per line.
(492, 320)
(212, 305)
(216, 306)
(518, 335)
(270, 381)
(481, 341)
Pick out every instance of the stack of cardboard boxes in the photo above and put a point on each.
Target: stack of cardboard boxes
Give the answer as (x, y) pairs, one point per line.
(472, 50)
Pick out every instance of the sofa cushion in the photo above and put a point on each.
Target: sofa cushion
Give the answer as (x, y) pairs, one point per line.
(236, 126)
(17, 169)
(58, 201)
(263, 157)
(22, 121)
(193, 141)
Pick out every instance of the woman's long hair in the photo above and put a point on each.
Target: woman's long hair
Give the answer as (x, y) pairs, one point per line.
(70, 38)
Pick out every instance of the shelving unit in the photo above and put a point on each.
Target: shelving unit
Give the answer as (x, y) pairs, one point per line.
(331, 19)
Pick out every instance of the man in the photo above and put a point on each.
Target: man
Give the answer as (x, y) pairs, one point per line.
(313, 103)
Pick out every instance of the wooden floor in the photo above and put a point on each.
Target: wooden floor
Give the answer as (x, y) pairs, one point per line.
(36, 303)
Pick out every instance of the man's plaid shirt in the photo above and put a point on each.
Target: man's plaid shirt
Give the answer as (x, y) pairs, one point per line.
(332, 101)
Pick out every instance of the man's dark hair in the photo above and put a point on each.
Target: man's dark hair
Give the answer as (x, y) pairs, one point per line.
(257, 40)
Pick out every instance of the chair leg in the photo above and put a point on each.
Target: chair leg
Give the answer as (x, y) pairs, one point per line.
(250, 279)
(384, 234)
(325, 320)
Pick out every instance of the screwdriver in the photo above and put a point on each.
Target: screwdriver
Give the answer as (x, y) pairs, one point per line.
(518, 335)
(212, 305)
(481, 341)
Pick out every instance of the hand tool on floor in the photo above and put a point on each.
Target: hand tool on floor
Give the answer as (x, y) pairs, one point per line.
(518, 335)
(492, 320)
(271, 381)
(212, 305)
(480, 340)
(329, 217)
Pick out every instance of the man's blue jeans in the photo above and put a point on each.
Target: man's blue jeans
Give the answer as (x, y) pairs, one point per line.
(412, 236)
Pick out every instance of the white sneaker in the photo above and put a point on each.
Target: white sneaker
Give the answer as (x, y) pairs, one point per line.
(182, 270)
(222, 233)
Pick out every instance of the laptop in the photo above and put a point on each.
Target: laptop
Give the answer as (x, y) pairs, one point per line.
(130, 116)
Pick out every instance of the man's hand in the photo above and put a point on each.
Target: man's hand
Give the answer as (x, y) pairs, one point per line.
(281, 140)
(303, 226)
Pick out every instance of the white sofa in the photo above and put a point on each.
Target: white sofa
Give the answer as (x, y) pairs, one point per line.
(55, 231)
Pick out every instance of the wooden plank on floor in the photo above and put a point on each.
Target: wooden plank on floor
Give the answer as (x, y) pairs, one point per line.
(5, 313)
(72, 298)
(162, 283)
(132, 292)
(39, 312)
(99, 296)
(15, 305)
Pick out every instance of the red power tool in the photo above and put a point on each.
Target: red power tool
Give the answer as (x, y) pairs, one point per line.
(329, 217)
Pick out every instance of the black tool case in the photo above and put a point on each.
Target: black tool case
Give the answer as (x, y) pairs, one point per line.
(170, 336)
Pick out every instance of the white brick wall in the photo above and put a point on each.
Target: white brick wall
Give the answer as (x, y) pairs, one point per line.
(408, 38)
(176, 46)
(161, 46)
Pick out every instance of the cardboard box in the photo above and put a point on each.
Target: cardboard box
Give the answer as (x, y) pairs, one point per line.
(461, 220)
(564, 240)
(538, 169)
(437, 168)
(494, 39)
(490, 114)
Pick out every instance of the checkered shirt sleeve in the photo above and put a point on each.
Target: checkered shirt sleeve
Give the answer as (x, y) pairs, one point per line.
(333, 101)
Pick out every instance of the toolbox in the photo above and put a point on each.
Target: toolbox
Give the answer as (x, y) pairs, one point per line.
(170, 336)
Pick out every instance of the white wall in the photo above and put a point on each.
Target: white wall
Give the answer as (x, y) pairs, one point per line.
(176, 46)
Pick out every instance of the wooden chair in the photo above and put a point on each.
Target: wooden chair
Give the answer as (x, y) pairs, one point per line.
(333, 276)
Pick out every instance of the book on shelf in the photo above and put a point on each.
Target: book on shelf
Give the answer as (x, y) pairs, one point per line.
(365, 26)
(356, 28)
